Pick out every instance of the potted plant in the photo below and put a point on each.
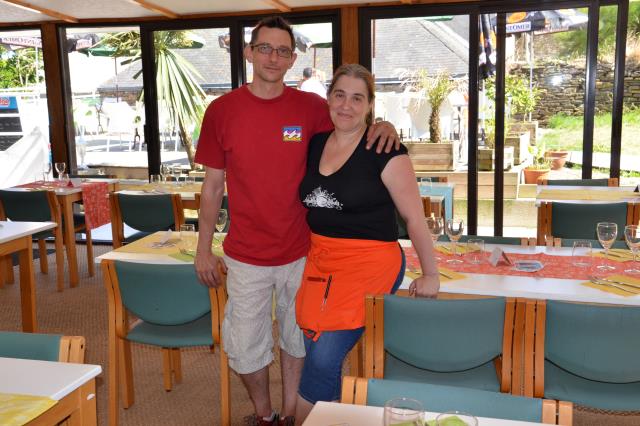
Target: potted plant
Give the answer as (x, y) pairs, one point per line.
(557, 158)
(539, 169)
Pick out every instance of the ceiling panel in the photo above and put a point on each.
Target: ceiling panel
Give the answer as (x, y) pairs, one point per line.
(86, 9)
(10, 13)
(188, 7)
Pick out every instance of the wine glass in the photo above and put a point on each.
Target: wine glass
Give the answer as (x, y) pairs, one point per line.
(436, 228)
(607, 233)
(403, 411)
(46, 171)
(632, 237)
(221, 222)
(164, 172)
(454, 229)
(60, 169)
(176, 170)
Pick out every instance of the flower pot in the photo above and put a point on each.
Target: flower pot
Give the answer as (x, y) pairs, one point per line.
(532, 175)
(557, 158)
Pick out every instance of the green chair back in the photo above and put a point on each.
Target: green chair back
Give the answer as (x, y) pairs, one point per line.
(43, 347)
(26, 206)
(441, 398)
(598, 343)
(162, 294)
(443, 335)
(578, 182)
(147, 213)
(578, 221)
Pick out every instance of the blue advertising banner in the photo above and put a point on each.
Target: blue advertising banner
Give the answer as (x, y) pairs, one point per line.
(8, 103)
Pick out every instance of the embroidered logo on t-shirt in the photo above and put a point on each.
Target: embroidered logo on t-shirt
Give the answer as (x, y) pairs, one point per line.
(292, 134)
(323, 199)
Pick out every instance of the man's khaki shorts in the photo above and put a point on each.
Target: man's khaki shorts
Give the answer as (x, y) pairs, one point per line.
(247, 327)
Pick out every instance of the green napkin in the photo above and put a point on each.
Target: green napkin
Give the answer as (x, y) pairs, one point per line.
(182, 257)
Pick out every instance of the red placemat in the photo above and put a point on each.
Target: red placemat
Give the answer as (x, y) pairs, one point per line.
(554, 266)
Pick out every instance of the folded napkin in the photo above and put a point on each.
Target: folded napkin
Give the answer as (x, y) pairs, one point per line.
(445, 274)
(447, 248)
(16, 410)
(627, 283)
(619, 255)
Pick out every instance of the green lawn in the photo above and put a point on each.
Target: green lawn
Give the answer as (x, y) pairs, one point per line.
(565, 132)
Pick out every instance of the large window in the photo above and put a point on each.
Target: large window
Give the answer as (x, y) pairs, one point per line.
(108, 110)
(24, 119)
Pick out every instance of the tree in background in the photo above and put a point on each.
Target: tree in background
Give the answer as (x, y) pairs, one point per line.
(18, 67)
(574, 43)
(176, 79)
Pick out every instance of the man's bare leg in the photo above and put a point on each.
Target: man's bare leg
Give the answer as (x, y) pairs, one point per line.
(303, 408)
(291, 368)
(257, 385)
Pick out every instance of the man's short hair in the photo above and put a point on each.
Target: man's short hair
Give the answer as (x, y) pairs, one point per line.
(307, 72)
(274, 22)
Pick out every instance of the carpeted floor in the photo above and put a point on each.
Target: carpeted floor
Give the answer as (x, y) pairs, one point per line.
(195, 401)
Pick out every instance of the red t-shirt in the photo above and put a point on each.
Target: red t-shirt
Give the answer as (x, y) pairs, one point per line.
(262, 144)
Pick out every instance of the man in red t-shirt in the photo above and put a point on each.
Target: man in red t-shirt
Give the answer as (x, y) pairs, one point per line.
(258, 134)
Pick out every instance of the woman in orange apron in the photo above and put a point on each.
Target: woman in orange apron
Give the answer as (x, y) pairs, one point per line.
(352, 194)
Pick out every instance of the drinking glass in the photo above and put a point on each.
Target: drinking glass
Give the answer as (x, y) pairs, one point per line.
(188, 237)
(632, 237)
(190, 180)
(60, 169)
(607, 233)
(164, 172)
(155, 180)
(403, 411)
(456, 418)
(581, 254)
(454, 229)
(436, 228)
(475, 250)
(64, 178)
(221, 222)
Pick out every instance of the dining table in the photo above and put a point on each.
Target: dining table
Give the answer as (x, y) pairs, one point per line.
(93, 194)
(557, 280)
(338, 414)
(15, 237)
(186, 191)
(43, 393)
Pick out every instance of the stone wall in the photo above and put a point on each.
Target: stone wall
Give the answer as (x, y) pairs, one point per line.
(561, 86)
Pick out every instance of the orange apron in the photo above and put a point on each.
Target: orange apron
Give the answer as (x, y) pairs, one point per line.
(339, 273)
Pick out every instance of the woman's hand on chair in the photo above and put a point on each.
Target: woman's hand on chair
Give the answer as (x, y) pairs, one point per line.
(425, 286)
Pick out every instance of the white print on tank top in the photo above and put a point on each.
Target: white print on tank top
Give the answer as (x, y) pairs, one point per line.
(321, 198)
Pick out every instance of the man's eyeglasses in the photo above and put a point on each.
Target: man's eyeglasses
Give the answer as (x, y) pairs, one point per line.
(266, 49)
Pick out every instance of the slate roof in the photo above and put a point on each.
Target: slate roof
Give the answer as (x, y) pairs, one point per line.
(401, 44)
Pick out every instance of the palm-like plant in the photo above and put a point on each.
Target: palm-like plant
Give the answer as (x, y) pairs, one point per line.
(176, 79)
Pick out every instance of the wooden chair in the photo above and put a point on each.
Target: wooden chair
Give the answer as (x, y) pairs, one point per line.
(45, 347)
(461, 342)
(145, 213)
(442, 398)
(584, 353)
(37, 206)
(174, 311)
(578, 221)
(581, 182)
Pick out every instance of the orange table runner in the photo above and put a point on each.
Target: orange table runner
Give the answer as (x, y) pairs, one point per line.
(554, 266)
(95, 198)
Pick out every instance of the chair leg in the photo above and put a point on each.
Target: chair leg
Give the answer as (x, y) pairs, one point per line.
(126, 374)
(3, 272)
(112, 403)
(90, 261)
(59, 262)
(166, 368)
(176, 365)
(225, 389)
(42, 251)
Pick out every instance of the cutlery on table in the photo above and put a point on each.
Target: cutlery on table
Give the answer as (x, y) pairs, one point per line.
(609, 284)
